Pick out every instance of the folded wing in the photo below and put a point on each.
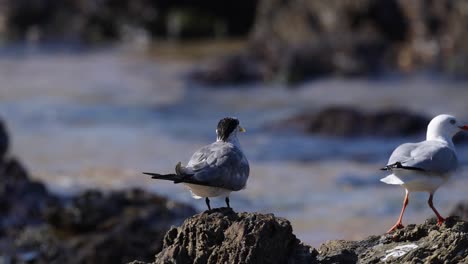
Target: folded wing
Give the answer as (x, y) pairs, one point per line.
(219, 165)
(428, 156)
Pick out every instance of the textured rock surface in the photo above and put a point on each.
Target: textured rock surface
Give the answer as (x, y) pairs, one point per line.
(425, 243)
(223, 236)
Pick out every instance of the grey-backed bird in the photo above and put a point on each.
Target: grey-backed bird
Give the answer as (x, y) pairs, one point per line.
(426, 165)
(216, 169)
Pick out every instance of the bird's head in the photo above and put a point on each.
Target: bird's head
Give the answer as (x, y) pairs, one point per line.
(444, 126)
(227, 128)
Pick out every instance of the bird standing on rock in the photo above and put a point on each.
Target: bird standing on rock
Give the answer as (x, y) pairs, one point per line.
(216, 169)
(426, 165)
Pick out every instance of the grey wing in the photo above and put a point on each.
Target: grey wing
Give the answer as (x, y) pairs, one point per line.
(429, 156)
(220, 165)
(198, 161)
(402, 153)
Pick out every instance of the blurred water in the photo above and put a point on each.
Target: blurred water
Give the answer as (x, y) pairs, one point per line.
(98, 119)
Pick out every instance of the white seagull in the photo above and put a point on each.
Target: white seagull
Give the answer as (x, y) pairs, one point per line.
(424, 166)
(216, 169)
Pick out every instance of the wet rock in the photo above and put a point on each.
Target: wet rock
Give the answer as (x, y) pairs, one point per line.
(348, 122)
(425, 243)
(223, 236)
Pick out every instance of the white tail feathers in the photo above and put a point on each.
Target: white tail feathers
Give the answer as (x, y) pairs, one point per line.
(392, 179)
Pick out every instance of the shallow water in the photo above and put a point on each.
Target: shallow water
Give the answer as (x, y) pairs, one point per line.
(98, 119)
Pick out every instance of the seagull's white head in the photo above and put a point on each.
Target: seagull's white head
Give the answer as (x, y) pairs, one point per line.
(227, 129)
(444, 127)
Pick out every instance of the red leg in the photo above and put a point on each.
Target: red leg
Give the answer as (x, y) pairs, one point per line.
(398, 224)
(440, 219)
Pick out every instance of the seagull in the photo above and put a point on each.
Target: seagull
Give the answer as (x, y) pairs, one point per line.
(216, 169)
(426, 165)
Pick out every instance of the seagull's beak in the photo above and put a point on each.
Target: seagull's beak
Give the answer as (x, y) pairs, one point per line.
(465, 127)
(241, 129)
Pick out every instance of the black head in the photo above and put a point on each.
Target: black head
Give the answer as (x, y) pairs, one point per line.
(226, 126)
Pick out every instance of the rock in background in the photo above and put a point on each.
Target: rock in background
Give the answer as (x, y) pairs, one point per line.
(461, 210)
(114, 20)
(298, 40)
(342, 121)
(37, 226)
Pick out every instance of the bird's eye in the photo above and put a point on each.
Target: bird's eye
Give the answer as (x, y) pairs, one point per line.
(452, 121)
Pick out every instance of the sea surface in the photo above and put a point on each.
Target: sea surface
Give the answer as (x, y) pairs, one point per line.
(97, 119)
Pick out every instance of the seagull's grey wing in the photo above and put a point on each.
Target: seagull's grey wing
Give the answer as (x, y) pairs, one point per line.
(402, 153)
(428, 156)
(220, 165)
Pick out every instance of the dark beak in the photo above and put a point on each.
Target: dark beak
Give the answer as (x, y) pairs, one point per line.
(465, 127)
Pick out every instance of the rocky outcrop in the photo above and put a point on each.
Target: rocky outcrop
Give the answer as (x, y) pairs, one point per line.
(223, 236)
(347, 122)
(37, 226)
(299, 40)
(425, 243)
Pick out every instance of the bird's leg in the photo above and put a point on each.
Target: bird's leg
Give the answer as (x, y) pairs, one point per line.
(440, 219)
(398, 224)
(207, 201)
(227, 202)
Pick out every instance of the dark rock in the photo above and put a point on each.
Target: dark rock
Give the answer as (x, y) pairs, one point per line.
(348, 122)
(425, 243)
(37, 226)
(97, 227)
(223, 236)
(299, 40)
(110, 20)
(22, 200)
(4, 140)
(461, 210)
(238, 68)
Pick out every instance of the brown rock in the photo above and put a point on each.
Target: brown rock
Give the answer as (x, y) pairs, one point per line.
(223, 236)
